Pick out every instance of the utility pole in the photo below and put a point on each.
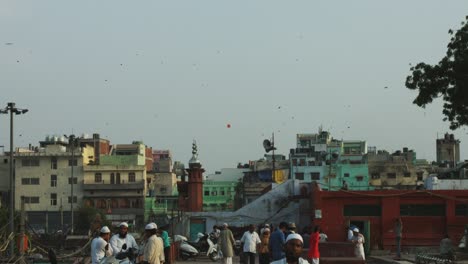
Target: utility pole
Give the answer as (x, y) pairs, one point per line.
(22, 229)
(11, 108)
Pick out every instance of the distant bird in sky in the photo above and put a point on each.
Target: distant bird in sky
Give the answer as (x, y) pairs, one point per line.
(386, 87)
(9, 43)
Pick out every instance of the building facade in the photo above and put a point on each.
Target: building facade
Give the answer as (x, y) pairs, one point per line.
(448, 150)
(43, 178)
(118, 184)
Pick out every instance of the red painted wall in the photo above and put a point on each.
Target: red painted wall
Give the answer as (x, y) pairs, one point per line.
(417, 230)
(195, 188)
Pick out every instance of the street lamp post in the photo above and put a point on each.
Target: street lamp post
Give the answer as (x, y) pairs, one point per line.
(12, 110)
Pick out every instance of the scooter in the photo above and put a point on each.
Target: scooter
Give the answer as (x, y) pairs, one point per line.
(185, 249)
(205, 244)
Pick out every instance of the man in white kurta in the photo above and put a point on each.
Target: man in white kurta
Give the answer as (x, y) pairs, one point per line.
(153, 252)
(100, 247)
(118, 240)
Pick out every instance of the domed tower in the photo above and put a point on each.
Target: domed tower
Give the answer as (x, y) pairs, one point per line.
(195, 182)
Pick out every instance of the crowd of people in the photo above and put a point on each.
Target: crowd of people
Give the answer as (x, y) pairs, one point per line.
(154, 248)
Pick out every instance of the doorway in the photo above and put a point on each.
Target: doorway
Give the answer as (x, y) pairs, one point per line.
(364, 229)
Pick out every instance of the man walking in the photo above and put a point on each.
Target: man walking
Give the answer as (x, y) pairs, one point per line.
(250, 241)
(226, 243)
(314, 254)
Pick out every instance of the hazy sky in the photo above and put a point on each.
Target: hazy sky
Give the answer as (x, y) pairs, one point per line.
(170, 72)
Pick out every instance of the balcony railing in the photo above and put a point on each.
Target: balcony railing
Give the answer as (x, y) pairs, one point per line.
(114, 186)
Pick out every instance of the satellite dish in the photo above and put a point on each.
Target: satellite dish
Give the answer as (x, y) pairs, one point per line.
(268, 145)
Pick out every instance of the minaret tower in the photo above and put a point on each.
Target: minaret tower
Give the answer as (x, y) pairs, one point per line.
(195, 182)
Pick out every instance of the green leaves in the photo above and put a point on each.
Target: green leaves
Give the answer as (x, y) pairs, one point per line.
(447, 79)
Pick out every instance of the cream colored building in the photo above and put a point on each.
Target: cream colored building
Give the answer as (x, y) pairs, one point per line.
(43, 179)
(118, 184)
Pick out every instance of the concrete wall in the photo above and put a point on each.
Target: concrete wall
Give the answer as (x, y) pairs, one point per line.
(272, 207)
(164, 183)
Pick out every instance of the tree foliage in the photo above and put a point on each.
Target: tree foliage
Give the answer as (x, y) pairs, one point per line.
(447, 79)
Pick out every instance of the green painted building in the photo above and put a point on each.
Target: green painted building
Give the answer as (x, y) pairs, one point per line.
(218, 195)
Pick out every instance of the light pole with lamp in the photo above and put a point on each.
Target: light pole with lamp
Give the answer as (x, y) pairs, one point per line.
(11, 108)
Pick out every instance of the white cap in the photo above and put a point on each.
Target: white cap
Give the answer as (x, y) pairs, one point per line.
(265, 230)
(105, 230)
(356, 230)
(225, 224)
(267, 225)
(151, 226)
(294, 236)
(123, 224)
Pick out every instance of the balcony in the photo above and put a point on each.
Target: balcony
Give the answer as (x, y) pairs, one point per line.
(139, 185)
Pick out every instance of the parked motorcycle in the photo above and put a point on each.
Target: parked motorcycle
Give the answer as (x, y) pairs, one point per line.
(186, 250)
(205, 245)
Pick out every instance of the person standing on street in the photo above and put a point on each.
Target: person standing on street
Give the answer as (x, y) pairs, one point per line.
(250, 240)
(398, 232)
(293, 251)
(314, 254)
(226, 244)
(264, 248)
(118, 240)
(167, 246)
(153, 252)
(277, 241)
(100, 246)
(358, 241)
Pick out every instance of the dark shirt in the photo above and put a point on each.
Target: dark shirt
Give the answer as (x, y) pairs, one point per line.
(276, 244)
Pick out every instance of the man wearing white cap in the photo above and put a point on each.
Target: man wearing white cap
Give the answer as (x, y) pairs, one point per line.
(358, 241)
(153, 253)
(100, 247)
(118, 240)
(293, 251)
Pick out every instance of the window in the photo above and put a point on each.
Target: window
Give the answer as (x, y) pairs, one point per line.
(214, 193)
(75, 180)
(5, 161)
(97, 177)
(302, 162)
(391, 175)
(362, 210)
(375, 176)
(53, 199)
(30, 181)
(207, 193)
(163, 189)
(407, 174)
(30, 162)
(359, 178)
(31, 199)
(346, 175)
(131, 177)
(315, 175)
(311, 163)
(461, 210)
(73, 162)
(222, 193)
(294, 162)
(299, 176)
(75, 199)
(53, 163)
(422, 209)
(53, 180)
(419, 174)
